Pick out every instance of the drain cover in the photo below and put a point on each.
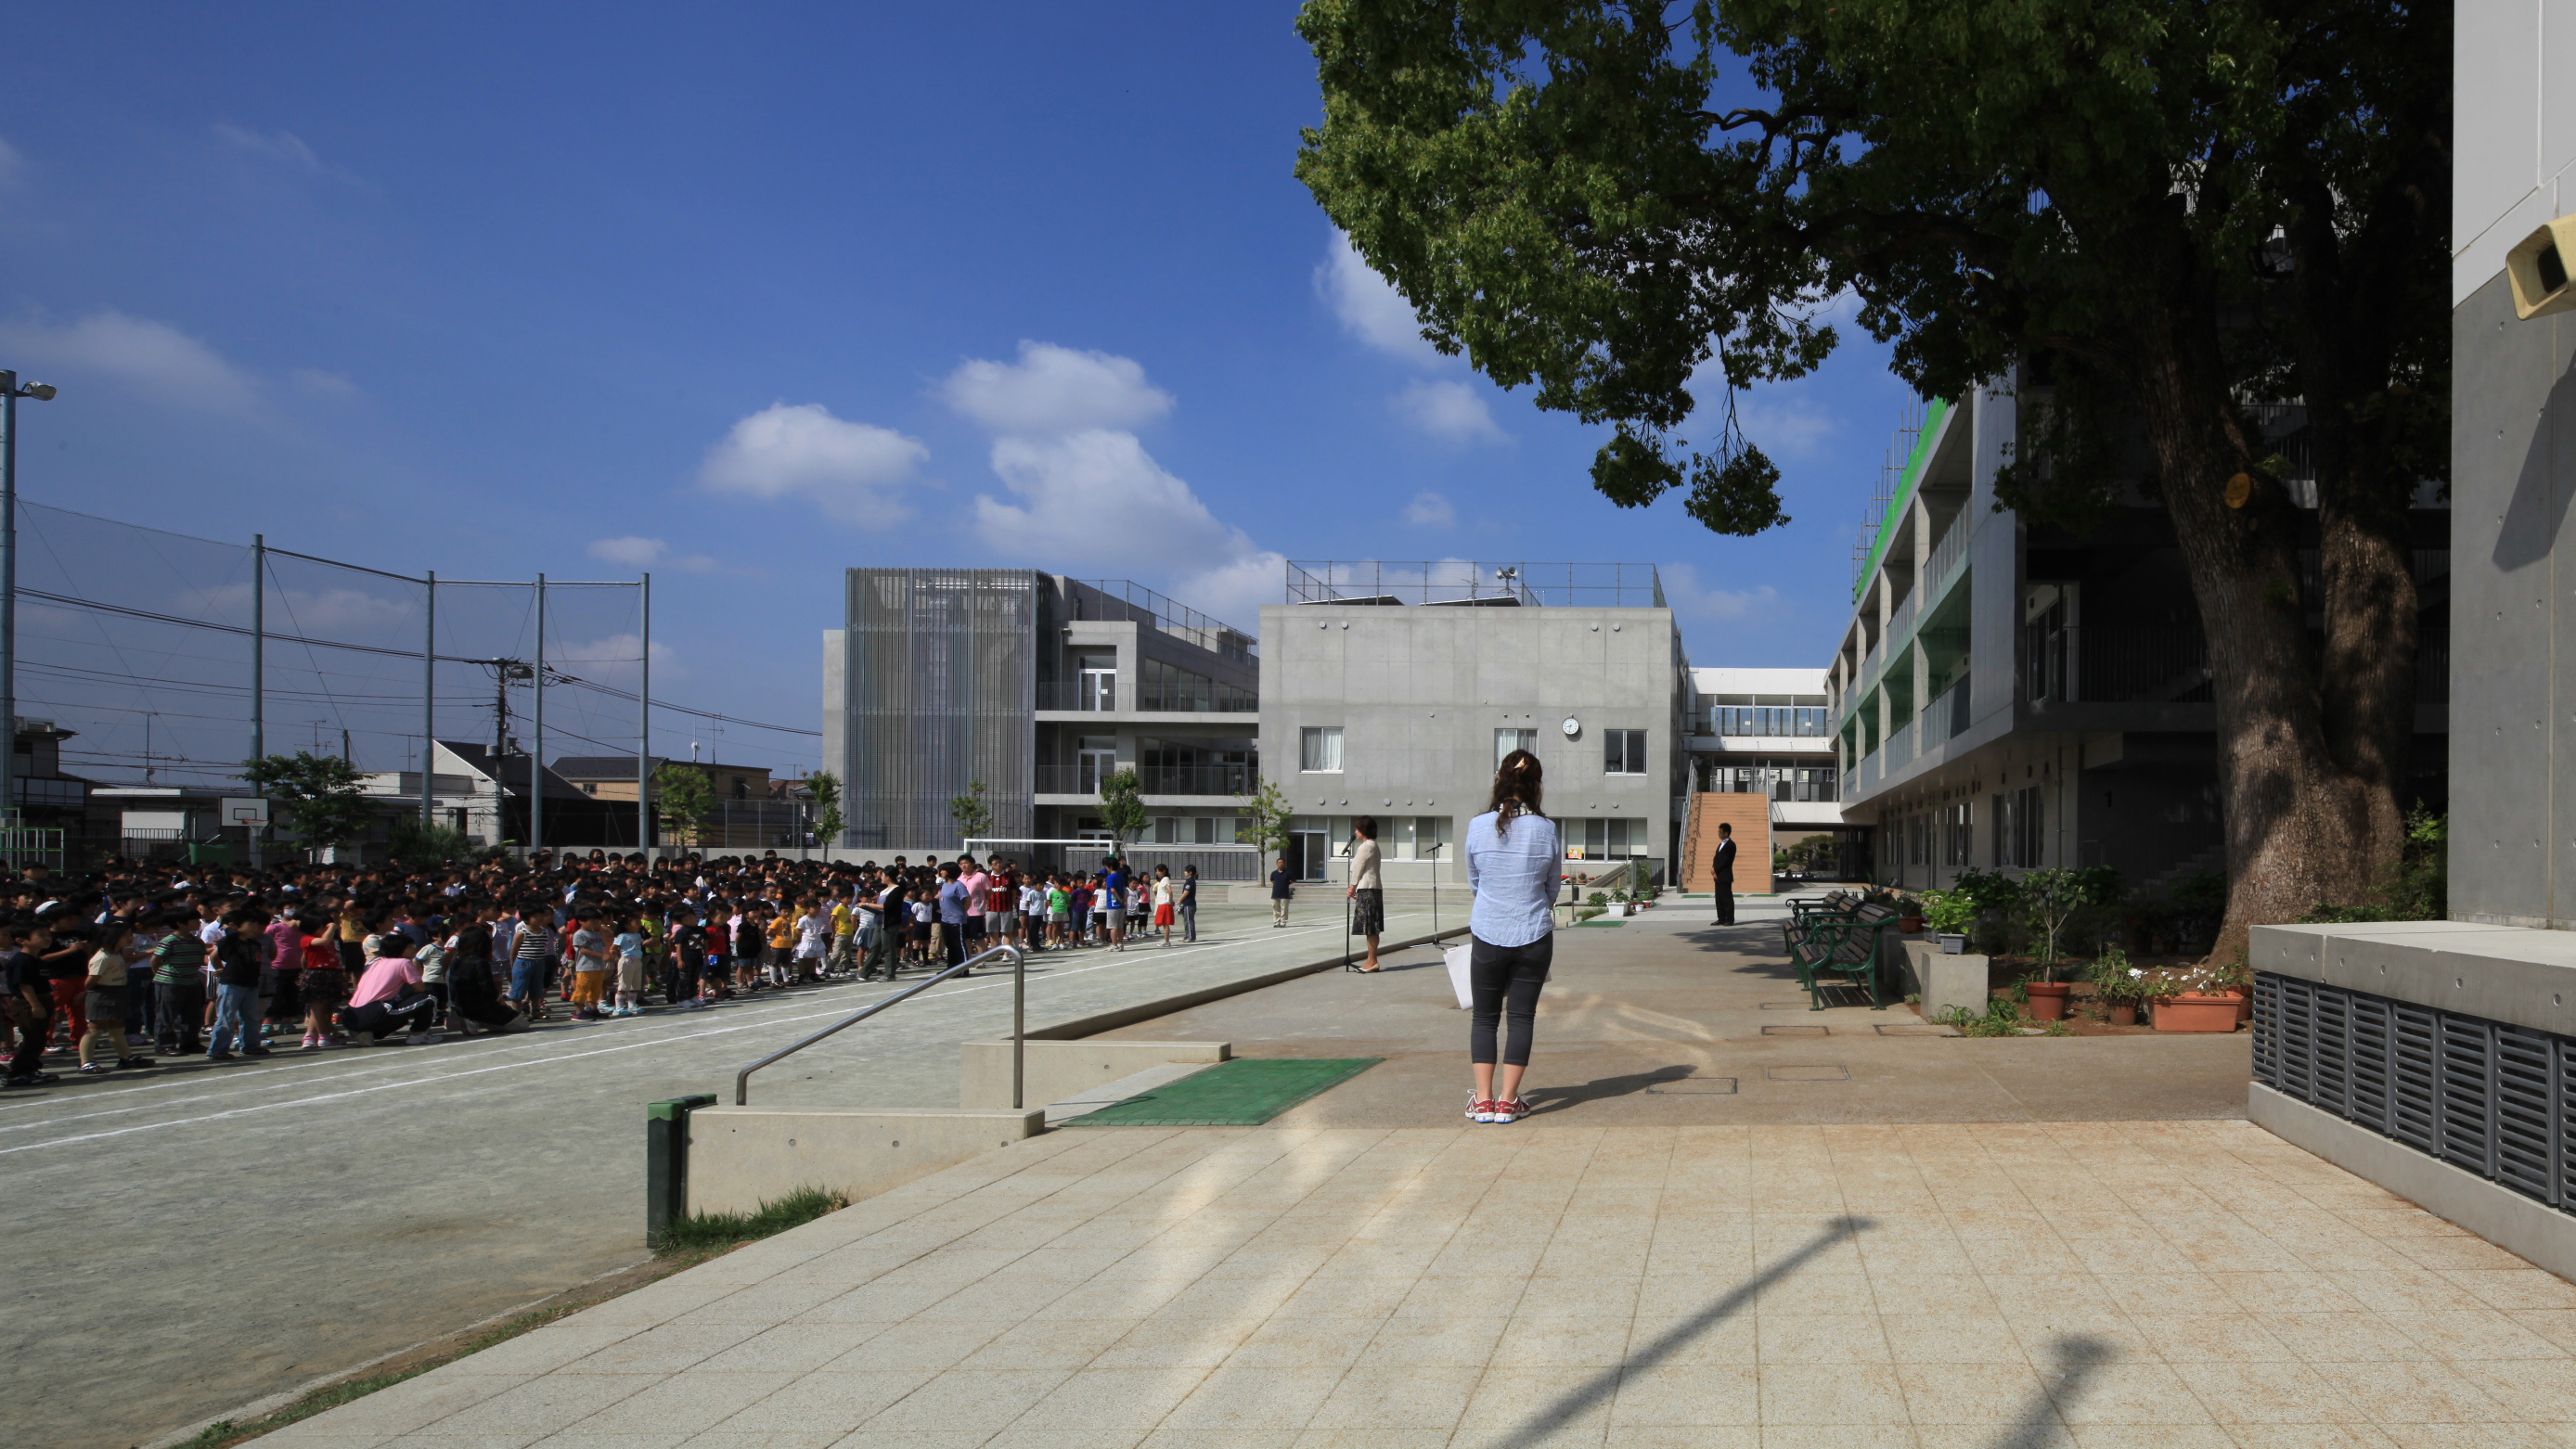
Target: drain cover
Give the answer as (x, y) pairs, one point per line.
(1793, 1031)
(1806, 1074)
(1694, 1087)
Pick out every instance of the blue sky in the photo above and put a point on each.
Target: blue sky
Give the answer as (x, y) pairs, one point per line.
(753, 294)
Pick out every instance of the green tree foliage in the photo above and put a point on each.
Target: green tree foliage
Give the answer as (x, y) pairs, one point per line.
(1122, 805)
(683, 798)
(1269, 811)
(418, 846)
(973, 811)
(824, 788)
(2149, 216)
(318, 795)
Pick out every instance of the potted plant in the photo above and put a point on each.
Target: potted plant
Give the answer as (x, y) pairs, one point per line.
(1909, 915)
(1949, 913)
(2203, 998)
(2123, 986)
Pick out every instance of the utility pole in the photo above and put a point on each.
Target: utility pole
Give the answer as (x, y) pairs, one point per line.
(428, 688)
(10, 392)
(258, 667)
(537, 734)
(345, 757)
(644, 729)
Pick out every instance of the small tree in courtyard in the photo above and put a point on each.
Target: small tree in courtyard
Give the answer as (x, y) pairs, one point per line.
(824, 788)
(683, 798)
(318, 793)
(973, 811)
(1122, 805)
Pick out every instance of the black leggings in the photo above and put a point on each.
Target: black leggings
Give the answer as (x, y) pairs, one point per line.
(1504, 981)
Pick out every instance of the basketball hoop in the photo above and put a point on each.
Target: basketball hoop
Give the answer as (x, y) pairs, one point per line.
(251, 813)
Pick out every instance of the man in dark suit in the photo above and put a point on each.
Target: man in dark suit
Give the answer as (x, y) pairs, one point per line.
(1721, 871)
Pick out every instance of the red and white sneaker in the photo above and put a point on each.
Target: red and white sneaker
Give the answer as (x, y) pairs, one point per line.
(1509, 1111)
(1478, 1109)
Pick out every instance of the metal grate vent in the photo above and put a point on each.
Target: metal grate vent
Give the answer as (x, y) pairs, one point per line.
(2484, 1096)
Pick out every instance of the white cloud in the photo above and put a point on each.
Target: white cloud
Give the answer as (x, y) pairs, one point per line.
(1055, 389)
(1369, 306)
(643, 553)
(1449, 411)
(317, 383)
(1430, 510)
(632, 552)
(154, 357)
(613, 659)
(1098, 497)
(1234, 592)
(1785, 427)
(1687, 597)
(13, 164)
(285, 151)
(852, 471)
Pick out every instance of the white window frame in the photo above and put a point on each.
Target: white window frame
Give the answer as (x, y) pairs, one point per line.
(1632, 761)
(1319, 750)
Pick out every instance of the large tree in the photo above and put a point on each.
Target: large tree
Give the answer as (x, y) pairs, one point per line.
(2149, 216)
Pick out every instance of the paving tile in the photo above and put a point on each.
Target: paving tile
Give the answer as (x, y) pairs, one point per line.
(2268, 1393)
(2389, 1393)
(1283, 1341)
(1931, 1338)
(791, 1348)
(833, 1403)
(1398, 1396)
(683, 1404)
(1547, 1400)
(1255, 1398)
(968, 1401)
(1177, 1343)
(1131, 1401)
(1974, 1393)
(1832, 1394)
(2137, 1394)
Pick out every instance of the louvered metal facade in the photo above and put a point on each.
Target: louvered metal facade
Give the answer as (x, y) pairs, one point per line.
(939, 686)
(2485, 1096)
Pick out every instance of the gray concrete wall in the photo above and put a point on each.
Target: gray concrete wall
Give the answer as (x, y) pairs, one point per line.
(2503, 973)
(1418, 692)
(2513, 470)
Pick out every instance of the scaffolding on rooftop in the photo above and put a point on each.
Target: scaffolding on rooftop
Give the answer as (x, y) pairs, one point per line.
(1467, 582)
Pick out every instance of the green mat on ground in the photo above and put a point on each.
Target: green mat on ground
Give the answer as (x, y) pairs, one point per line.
(1244, 1092)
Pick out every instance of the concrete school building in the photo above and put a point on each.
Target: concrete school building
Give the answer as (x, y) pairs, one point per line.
(2009, 694)
(1389, 690)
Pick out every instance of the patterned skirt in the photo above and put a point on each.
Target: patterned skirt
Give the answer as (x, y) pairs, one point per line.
(1368, 912)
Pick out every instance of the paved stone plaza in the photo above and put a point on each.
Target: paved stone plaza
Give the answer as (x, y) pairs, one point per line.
(1628, 1267)
(2170, 1284)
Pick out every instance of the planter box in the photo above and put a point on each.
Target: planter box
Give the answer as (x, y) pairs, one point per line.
(1953, 945)
(2199, 1011)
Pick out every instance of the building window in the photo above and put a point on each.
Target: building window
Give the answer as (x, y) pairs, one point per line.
(1506, 741)
(1319, 749)
(1623, 752)
(1958, 834)
(1607, 839)
(2019, 818)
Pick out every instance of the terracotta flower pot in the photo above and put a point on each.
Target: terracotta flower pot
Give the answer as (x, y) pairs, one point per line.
(1910, 925)
(2199, 1011)
(2124, 1013)
(2048, 999)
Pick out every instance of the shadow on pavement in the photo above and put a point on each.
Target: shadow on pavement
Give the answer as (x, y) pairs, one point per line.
(2040, 1425)
(1598, 1389)
(1558, 1099)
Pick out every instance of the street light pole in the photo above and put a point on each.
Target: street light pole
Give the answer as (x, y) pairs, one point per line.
(10, 392)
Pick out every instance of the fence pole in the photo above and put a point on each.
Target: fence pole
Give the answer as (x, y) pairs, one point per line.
(9, 584)
(537, 735)
(258, 667)
(644, 733)
(428, 692)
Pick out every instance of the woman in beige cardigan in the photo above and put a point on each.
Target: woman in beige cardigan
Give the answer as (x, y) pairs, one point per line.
(1367, 890)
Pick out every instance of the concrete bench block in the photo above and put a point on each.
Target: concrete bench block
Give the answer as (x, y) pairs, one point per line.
(1942, 981)
(741, 1157)
(1058, 1070)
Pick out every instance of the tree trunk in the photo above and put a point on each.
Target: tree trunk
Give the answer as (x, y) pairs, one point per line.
(2293, 812)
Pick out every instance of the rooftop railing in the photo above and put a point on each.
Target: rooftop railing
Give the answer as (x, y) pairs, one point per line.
(1177, 619)
(1471, 583)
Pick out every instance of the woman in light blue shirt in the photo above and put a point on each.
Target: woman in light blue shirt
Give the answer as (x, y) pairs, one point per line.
(1513, 861)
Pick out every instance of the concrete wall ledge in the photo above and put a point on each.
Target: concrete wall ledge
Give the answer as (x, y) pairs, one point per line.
(2502, 973)
(741, 1157)
(1058, 1070)
(2500, 1215)
(1943, 981)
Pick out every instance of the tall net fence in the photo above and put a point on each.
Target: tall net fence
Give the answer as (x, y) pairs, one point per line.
(168, 660)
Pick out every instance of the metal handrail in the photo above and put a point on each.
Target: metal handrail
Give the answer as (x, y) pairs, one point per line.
(1019, 1021)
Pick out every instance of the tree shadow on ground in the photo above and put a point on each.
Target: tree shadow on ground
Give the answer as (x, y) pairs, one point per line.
(2042, 1423)
(1597, 1391)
